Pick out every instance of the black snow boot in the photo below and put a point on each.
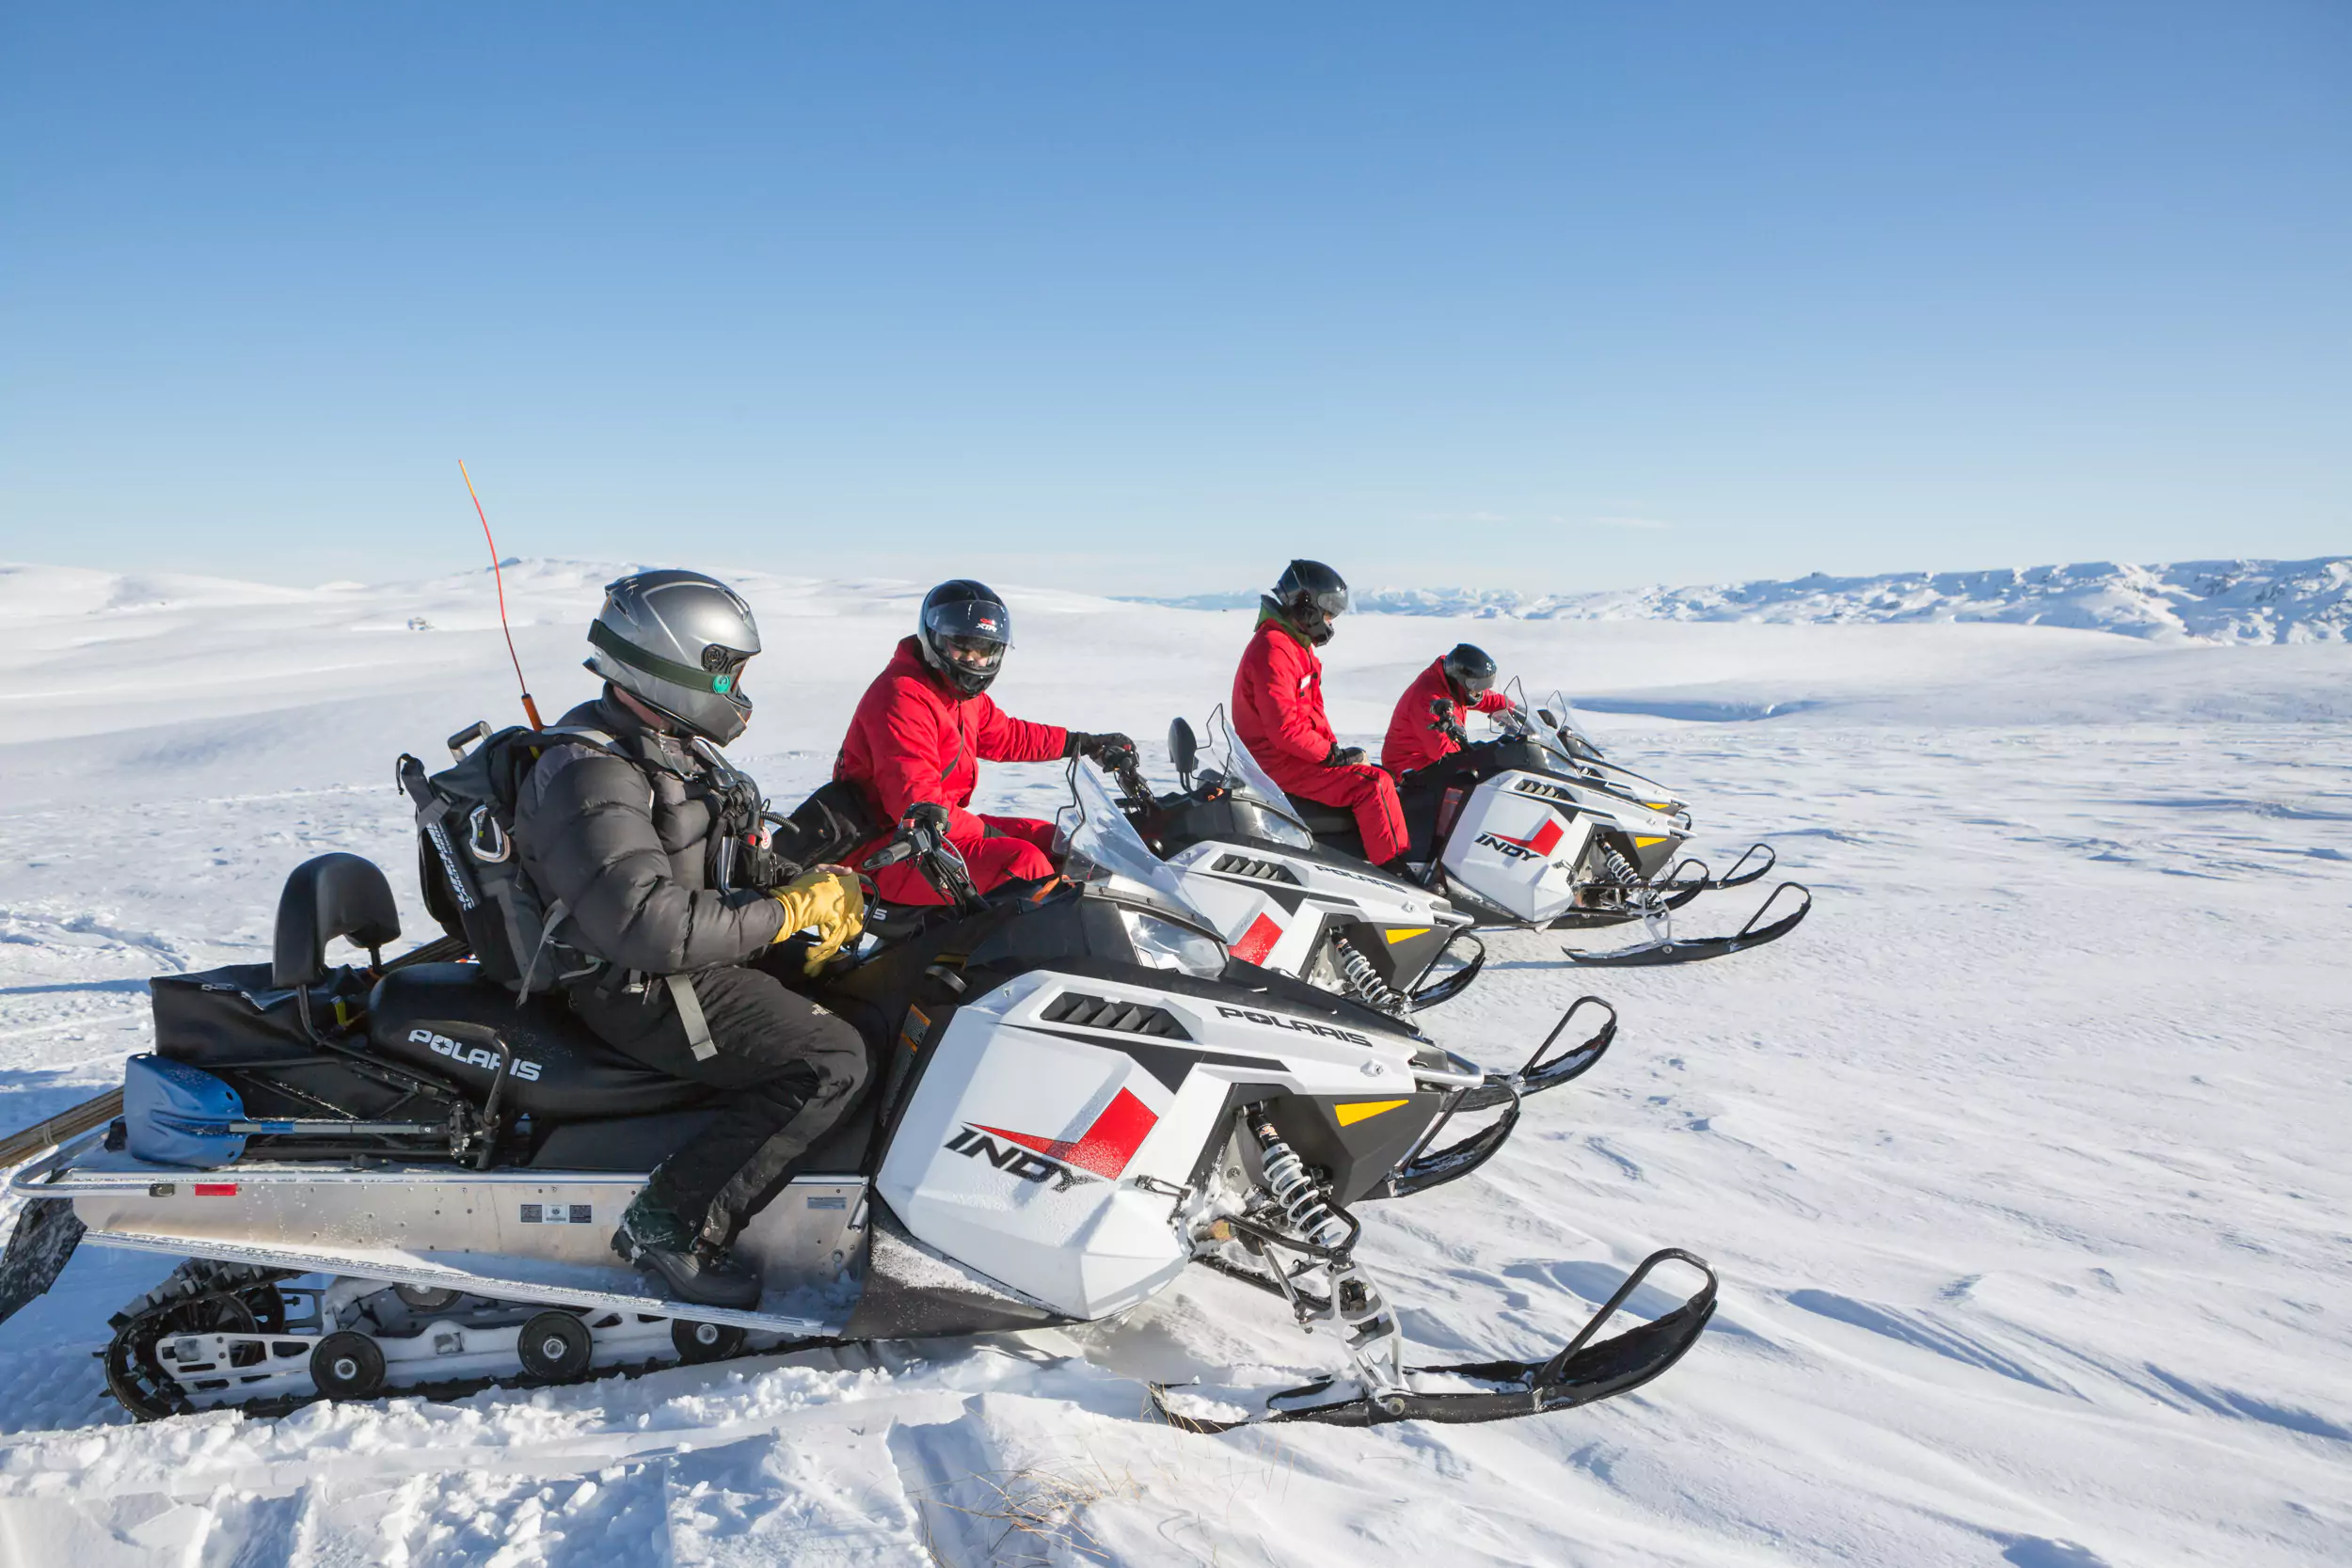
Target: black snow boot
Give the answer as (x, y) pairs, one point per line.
(665, 1247)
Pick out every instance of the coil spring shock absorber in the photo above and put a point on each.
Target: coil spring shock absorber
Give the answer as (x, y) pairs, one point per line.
(1618, 876)
(1297, 1193)
(1356, 971)
(1372, 1341)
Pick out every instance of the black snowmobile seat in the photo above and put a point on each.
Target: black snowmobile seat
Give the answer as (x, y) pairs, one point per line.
(562, 1072)
(1320, 820)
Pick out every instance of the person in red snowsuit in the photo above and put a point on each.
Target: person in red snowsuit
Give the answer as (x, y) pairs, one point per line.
(1278, 710)
(923, 727)
(1463, 679)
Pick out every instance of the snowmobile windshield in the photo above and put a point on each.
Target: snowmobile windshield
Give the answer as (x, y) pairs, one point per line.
(1245, 777)
(1096, 845)
(1578, 743)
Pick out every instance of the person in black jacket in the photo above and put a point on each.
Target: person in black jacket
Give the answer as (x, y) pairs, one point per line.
(635, 830)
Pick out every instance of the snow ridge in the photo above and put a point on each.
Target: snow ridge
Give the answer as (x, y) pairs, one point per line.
(2204, 601)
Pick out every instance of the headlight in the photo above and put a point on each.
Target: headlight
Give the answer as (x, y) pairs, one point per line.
(1164, 945)
(1281, 829)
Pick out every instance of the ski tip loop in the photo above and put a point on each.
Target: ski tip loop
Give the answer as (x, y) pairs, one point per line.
(1443, 991)
(1739, 875)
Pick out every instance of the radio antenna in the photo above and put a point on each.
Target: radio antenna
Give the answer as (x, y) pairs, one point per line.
(530, 707)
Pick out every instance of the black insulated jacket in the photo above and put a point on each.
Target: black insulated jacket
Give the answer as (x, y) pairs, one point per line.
(626, 841)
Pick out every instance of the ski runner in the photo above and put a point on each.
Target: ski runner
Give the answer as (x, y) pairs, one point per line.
(624, 825)
(1463, 680)
(1278, 710)
(924, 726)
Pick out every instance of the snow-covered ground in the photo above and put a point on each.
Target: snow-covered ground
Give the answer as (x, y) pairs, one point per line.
(2023, 1162)
(2213, 601)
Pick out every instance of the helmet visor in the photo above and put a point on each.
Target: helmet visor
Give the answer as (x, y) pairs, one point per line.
(1326, 601)
(1475, 683)
(973, 621)
(970, 652)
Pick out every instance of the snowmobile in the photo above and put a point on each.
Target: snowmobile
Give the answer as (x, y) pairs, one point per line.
(399, 1179)
(1532, 829)
(1243, 854)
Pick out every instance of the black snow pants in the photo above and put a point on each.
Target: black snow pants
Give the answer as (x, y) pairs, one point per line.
(792, 1068)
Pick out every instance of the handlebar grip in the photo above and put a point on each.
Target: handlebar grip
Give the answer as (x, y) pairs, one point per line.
(888, 855)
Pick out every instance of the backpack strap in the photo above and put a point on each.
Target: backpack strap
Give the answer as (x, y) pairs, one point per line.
(690, 1013)
(550, 919)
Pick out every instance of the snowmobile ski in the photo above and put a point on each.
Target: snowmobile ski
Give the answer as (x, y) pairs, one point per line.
(1429, 1165)
(1438, 992)
(1582, 1372)
(1681, 950)
(1539, 1073)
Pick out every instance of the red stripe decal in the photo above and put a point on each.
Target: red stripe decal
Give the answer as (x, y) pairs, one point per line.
(1546, 836)
(1115, 1136)
(215, 1189)
(1257, 942)
(1104, 1148)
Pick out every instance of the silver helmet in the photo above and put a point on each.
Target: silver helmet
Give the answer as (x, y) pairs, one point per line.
(678, 642)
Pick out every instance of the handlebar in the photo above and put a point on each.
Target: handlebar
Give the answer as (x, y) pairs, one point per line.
(922, 838)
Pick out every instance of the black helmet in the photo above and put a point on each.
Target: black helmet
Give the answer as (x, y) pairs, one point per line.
(964, 631)
(1310, 594)
(677, 642)
(1471, 670)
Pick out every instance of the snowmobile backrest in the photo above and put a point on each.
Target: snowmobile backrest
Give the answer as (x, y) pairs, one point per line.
(333, 896)
(1184, 749)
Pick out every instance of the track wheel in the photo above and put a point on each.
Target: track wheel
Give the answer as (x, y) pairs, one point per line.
(347, 1366)
(705, 1341)
(555, 1346)
(133, 1375)
(425, 1298)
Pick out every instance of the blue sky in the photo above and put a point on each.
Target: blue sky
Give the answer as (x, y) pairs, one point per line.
(1148, 298)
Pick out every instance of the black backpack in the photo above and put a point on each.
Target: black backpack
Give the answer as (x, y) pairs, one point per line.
(473, 879)
(466, 862)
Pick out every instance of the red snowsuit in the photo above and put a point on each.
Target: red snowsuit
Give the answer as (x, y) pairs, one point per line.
(1277, 713)
(1411, 742)
(913, 738)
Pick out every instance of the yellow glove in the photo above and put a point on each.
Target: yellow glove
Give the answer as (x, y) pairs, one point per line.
(829, 901)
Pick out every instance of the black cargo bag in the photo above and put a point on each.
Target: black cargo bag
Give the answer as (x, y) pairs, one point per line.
(234, 1023)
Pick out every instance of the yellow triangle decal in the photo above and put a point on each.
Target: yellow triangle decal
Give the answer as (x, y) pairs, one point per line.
(1364, 1110)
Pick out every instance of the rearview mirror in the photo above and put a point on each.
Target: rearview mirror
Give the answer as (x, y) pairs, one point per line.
(1545, 714)
(1183, 749)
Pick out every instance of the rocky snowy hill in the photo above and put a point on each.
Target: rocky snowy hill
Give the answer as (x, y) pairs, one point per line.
(2211, 601)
